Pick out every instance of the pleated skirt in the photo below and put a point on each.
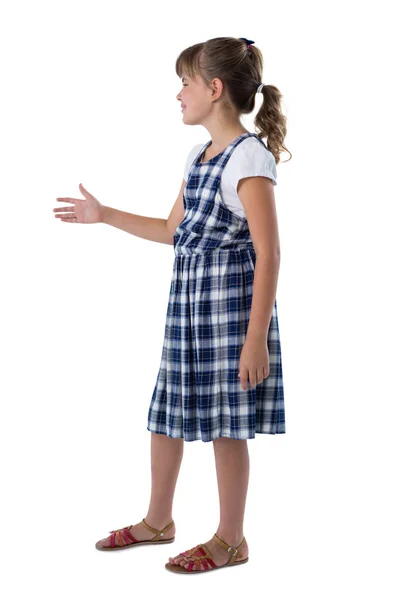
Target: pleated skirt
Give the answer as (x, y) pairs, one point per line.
(198, 394)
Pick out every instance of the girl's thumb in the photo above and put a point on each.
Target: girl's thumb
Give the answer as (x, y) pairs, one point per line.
(83, 190)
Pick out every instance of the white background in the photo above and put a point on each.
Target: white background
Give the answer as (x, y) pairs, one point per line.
(89, 96)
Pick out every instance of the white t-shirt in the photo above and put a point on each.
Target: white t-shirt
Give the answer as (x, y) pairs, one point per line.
(249, 159)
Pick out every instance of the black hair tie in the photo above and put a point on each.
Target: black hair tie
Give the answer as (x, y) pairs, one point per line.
(248, 42)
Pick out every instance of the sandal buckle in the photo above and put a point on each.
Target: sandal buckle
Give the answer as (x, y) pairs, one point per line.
(232, 548)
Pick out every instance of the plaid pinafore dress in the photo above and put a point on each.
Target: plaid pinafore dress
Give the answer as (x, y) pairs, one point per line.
(198, 395)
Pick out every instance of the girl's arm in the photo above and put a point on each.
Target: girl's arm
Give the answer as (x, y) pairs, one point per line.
(264, 293)
(148, 228)
(257, 197)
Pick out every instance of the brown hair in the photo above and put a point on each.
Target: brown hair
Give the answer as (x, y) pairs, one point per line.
(240, 68)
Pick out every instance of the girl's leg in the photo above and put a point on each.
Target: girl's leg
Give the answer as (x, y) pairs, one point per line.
(233, 466)
(166, 458)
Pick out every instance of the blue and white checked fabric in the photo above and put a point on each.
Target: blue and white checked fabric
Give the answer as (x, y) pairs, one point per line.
(198, 395)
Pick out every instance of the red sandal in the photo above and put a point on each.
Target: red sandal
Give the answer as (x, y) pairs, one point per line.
(125, 539)
(201, 555)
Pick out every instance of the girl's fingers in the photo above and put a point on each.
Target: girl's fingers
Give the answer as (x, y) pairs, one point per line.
(66, 216)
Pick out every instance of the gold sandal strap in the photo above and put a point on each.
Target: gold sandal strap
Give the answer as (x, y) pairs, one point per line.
(159, 532)
(234, 552)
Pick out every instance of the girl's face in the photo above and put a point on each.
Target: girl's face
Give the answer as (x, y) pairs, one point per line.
(195, 99)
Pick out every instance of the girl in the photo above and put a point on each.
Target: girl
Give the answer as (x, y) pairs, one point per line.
(220, 377)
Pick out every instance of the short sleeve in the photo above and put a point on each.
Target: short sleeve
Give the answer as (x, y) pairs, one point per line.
(253, 160)
(191, 156)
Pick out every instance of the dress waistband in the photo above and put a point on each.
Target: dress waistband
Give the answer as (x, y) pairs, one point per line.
(236, 250)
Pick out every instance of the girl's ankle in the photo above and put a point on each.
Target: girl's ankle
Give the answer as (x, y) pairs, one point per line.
(158, 523)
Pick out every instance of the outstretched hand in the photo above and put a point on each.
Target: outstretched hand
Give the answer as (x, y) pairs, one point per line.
(89, 210)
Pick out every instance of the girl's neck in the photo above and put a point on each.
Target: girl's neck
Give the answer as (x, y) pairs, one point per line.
(217, 146)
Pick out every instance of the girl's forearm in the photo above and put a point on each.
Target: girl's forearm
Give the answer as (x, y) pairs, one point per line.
(148, 228)
(265, 284)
